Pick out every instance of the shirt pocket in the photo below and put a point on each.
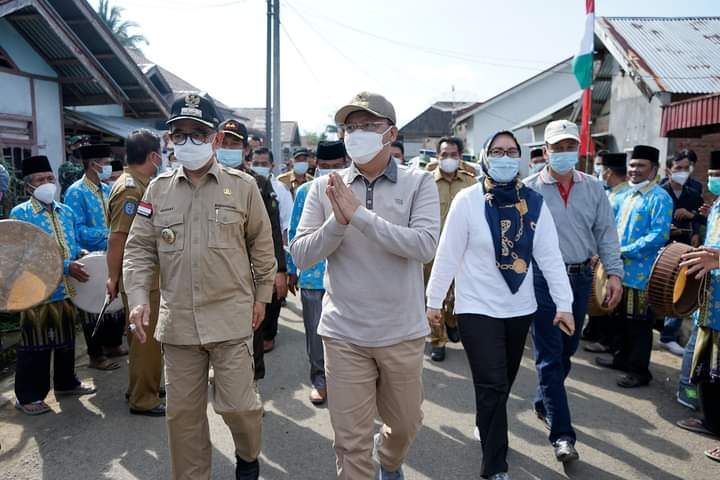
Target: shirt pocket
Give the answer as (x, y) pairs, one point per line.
(226, 228)
(170, 230)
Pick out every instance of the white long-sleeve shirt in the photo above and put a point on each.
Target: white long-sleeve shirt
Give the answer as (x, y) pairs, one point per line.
(466, 253)
(285, 202)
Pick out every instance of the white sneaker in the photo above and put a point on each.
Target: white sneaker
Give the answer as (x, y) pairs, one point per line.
(673, 347)
(476, 434)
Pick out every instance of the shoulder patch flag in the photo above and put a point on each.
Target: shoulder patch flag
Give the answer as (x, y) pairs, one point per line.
(145, 209)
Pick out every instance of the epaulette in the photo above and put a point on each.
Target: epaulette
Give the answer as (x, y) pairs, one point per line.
(237, 173)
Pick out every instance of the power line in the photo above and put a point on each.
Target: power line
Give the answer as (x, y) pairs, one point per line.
(307, 64)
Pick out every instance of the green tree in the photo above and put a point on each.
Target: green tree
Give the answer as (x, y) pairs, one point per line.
(112, 16)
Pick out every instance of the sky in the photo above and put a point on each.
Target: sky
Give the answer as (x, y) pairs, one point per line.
(414, 52)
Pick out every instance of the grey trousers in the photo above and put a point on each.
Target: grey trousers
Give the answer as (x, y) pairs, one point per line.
(312, 309)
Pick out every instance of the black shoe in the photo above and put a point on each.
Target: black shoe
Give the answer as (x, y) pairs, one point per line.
(158, 411)
(565, 451)
(247, 470)
(161, 394)
(437, 354)
(631, 381)
(608, 363)
(453, 334)
(543, 418)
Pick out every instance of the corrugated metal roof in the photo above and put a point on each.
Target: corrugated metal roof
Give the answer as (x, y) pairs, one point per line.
(676, 55)
(690, 114)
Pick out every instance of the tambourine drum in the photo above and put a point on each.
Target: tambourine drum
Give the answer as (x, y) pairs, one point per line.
(598, 292)
(671, 293)
(31, 265)
(90, 296)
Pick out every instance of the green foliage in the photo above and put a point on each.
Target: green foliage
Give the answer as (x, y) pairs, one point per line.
(112, 16)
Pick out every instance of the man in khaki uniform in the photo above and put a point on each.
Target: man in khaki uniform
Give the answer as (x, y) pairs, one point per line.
(450, 179)
(299, 173)
(145, 359)
(207, 228)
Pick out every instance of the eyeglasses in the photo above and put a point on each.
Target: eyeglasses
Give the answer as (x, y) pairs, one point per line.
(196, 137)
(498, 152)
(365, 127)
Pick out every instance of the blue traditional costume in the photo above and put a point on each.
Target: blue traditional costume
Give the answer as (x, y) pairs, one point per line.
(50, 326)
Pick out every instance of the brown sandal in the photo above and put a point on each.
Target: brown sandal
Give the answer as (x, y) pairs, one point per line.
(694, 425)
(33, 408)
(103, 363)
(713, 454)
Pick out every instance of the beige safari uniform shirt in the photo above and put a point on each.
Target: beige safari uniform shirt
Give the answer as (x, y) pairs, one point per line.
(447, 190)
(125, 196)
(290, 180)
(214, 246)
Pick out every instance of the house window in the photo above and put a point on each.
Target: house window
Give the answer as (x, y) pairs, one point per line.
(13, 155)
(15, 130)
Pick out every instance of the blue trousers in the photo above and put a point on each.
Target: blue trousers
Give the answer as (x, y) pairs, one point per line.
(553, 350)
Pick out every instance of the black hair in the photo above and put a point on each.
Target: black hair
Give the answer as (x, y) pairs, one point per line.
(262, 151)
(682, 155)
(139, 144)
(399, 145)
(452, 140)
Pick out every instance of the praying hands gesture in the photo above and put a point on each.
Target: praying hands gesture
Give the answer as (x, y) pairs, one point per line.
(343, 200)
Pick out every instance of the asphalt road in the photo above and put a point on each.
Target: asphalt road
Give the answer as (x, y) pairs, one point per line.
(621, 434)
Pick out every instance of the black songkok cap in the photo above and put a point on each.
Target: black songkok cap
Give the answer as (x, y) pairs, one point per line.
(645, 152)
(89, 152)
(36, 164)
(715, 160)
(614, 160)
(331, 150)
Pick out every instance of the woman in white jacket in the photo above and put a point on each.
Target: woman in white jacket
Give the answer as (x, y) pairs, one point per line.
(494, 233)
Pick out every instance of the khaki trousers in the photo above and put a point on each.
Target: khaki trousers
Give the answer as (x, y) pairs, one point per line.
(234, 397)
(145, 362)
(438, 333)
(363, 382)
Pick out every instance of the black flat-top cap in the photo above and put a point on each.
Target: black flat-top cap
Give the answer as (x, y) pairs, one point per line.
(615, 160)
(715, 160)
(331, 150)
(646, 152)
(536, 152)
(194, 107)
(87, 152)
(36, 164)
(234, 128)
(117, 165)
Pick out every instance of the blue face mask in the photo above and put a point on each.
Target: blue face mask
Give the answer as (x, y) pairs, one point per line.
(105, 172)
(563, 162)
(503, 169)
(300, 168)
(714, 185)
(229, 158)
(262, 171)
(536, 167)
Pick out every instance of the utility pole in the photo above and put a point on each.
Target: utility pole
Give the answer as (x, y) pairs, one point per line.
(276, 130)
(268, 79)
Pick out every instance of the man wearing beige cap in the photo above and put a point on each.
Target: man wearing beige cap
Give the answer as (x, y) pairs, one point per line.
(586, 228)
(377, 225)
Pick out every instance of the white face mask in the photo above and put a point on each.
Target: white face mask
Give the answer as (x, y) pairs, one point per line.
(680, 177)
(639, 186)
(321, 172)
(363, 146)
(449, 165)
(597, 168)
(397, 161)
(45, 193)
(193, 157)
